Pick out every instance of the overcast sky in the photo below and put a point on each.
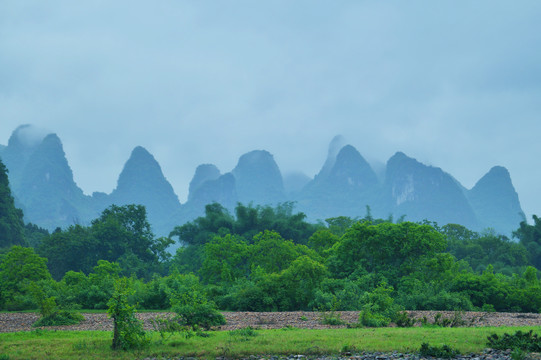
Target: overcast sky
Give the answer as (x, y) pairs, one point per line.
(454, 84)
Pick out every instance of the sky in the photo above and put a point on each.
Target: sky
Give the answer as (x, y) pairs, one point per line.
(454, 84)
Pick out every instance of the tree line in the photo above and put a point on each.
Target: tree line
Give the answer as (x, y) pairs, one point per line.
(264, 258)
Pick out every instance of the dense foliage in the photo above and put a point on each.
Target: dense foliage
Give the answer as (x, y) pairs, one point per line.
(271, 259)
(11, 218)
(121, 234)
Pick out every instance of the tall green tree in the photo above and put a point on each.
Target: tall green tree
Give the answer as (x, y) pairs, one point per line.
(19, 268)
(247, 222)
(530, 237)
(11, 218)
(225, 260)
(393, 250)
(121, 234)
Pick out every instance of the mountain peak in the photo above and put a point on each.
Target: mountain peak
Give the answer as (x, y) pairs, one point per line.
(140, 169)
(425, 192)
(495, 201)
(203, 173)
(258, 178)
(142, 182)
(27, 136)
(336, 144)
(352, 170)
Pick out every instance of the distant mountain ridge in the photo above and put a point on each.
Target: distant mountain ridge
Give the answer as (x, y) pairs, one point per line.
(43, 186)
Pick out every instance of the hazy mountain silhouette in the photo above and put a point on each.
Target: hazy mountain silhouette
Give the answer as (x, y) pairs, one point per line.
(43, 186)
(495, 201)
(345, 188)
(203, 173)
(142, 182)
(258, 179)
(425, 192)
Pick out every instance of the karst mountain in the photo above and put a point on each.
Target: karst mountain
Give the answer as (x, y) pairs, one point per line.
(43, 186)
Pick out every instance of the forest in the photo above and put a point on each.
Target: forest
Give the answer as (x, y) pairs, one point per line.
(264, 258)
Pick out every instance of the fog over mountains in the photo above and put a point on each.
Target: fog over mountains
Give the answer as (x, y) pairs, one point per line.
(43, 186)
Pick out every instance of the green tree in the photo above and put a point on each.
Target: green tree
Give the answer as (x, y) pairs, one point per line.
(189, 302)
(339, 225)
(204, 228)
(74, 249)
(480, 250)
(530, 238)
(34, 234)
(121, 234)
(20, 267)
(11, 218)
(128, 331)
(225, 260)
(301, 279)
(322, 240)
(272, 253)
(393, 250)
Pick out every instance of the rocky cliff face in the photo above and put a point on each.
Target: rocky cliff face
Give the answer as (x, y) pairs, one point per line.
(424, 192)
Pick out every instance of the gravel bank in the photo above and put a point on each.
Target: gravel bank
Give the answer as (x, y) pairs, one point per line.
(11, 322)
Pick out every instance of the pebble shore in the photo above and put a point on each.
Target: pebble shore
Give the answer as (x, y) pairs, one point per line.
(486, 355)
(12, 322)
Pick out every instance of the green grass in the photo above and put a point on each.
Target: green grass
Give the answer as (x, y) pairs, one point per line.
(44, 344)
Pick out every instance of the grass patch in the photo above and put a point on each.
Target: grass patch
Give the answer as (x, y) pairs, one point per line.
(45, 344)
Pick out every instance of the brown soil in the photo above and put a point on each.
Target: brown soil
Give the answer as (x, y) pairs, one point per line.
(11, 322)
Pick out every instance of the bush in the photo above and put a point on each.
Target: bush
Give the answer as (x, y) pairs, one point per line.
(379, 308)
(527, 341)
(440, 352)
(196, 314)
(59, 318)
(243, 334)
(128, 331)
(51, 315)
(166, 327)
(331, 317)
(369, 319)
(441, 321)
(191, 305)
(404, 320)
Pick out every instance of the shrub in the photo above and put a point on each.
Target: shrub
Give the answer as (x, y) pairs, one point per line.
(379, 308)
(440, 352)
(331, 317)
(441, 321)
(403, 319)
(192, 306)
(166, 327)
(51, 315)
(243, 334)
(59, 318)
(528, 341)
(199, 314)
(128, 331)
